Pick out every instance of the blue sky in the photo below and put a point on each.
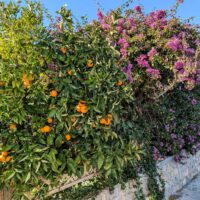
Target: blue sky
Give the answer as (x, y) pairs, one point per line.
(190, 8)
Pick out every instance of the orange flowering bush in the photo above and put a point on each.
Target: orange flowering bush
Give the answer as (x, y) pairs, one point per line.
(81, 107)
(107, 120)
(54, 93)
(4, 157)
(13, 127)
(27, 80)
(50, 120)
(68, 137)
(53, 85)
(90, 63)
(45, 129)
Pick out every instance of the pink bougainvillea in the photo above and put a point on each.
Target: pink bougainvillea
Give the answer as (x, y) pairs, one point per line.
(153, 43)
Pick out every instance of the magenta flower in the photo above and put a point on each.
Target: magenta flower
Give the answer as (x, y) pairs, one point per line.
(124, 45)
(189, 51)
(177, 158)
(119, 29)
(138, 9)
(142, 61)
(152, 52)
(127, 70)
(104, 25)
(100, 15)
(121, 41)
(156, 19)
(155, 73)
(174, 44)
(197, 42)
(132, 21)
(180, 1)
(173, 136)
(121, 21)
(198, 71)
(179, 65)
(194, 101)
(156, 153)
(123, 52)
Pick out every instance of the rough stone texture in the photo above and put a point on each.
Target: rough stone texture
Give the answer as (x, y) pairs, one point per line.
(175, 175)
(190, 191)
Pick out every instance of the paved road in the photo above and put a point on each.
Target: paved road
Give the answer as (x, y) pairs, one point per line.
(190, 191)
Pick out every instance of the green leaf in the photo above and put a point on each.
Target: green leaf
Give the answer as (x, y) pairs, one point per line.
(38, 166)
(10, 176)
(58, 141)
(52, 113)
(108, 165)
(100, 161)
(28, 177)
(38, 150)
(97, 110)
(50, 139)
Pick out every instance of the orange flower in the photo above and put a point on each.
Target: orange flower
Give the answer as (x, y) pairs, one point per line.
(68, 137)
(103, 121)
(106, 121)
(2, 158)
(45, 129)
(81, 107)
(63, 50)
(54, 93)
(119, 83)
(90, 63)
(50, 120)
(27, 80)
(4, 153)
(70, 72)
(13, 127)
(2, 83)
(8, 159)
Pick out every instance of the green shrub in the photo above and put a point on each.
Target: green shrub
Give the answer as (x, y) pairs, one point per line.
(109, 95)
(62, 100)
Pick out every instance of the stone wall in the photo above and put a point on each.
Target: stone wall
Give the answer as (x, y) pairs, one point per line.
(175, 175)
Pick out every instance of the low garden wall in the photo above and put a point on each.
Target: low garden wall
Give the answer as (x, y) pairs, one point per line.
(175, 175)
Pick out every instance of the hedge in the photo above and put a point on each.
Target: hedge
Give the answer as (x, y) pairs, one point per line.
(114, 95)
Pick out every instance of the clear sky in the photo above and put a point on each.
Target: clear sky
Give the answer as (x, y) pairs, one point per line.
(190, 8)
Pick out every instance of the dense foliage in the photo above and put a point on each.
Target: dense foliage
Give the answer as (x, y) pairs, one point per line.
(113, 95)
